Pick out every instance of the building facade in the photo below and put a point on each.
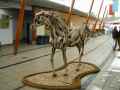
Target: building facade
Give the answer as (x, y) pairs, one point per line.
(7, 35)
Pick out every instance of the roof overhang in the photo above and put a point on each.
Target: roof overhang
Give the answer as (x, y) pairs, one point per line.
(14, 4)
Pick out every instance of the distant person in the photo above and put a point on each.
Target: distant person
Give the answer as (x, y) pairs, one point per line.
(119, 39)
(115, 37)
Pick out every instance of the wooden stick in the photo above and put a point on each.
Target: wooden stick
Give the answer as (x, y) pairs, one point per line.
(103, 20)
(20, 23)
(70, 12)
(89, 12)
(103, 17)
(98, 15)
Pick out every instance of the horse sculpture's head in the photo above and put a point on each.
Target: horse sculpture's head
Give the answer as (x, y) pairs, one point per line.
(43, 18)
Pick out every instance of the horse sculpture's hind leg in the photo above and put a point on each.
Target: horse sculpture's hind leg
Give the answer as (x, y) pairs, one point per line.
(52, 61)
(81, 50)
(65, 60)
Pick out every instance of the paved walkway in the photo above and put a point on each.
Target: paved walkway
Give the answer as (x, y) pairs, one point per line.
(109, 77)
(14, 68)
(9, 50)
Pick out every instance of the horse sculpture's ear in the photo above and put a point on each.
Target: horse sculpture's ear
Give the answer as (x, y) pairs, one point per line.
(43, 13)
(51, 13)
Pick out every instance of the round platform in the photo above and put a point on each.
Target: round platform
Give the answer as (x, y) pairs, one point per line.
(45, 80)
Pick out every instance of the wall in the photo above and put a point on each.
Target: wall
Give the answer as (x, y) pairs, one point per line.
(40, 30)
(28, 21)
(91, 23)
(76, 20)
(6, 35)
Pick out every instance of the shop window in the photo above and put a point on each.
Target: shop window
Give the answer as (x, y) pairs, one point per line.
(4, 21)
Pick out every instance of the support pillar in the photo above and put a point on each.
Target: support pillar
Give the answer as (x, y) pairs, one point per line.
(20, 23)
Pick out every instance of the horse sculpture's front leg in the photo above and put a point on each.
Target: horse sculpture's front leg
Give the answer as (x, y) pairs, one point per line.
(81, 51)
(65, 60)
(52, 62)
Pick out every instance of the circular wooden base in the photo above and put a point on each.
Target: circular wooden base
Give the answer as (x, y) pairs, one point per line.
(45, 80)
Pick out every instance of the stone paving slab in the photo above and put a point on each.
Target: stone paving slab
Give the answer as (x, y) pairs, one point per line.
(109, 78)
(9, 50)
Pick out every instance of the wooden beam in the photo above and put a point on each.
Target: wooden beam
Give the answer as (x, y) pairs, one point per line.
(70, 12)
(98, 15)
(103, 17)
(20, 23)
(90, 12)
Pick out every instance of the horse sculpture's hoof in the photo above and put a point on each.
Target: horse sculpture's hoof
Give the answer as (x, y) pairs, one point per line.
(77, 70)
(65, 74)
(54, 75)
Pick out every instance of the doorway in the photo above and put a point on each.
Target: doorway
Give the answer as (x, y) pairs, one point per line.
(28, 36)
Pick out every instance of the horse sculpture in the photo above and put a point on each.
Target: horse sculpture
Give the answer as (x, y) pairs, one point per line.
(61, 36)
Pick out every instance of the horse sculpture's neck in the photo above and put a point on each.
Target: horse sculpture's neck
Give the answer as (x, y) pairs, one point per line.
(58, 32)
